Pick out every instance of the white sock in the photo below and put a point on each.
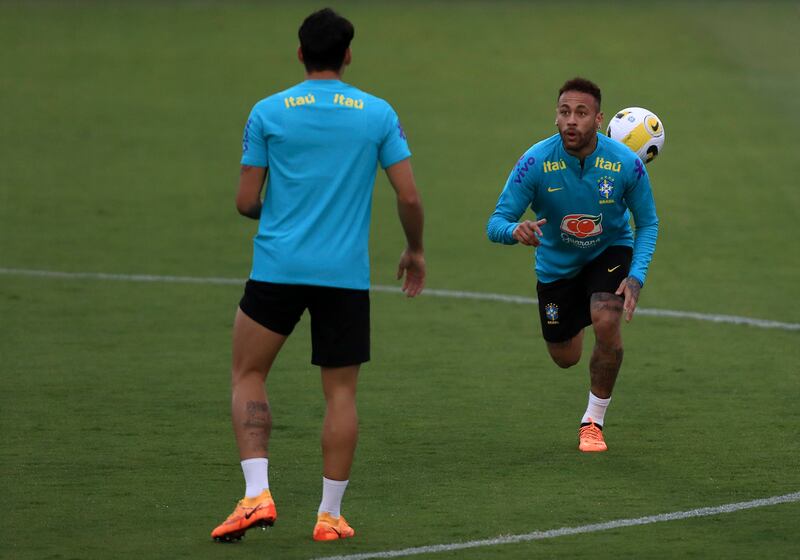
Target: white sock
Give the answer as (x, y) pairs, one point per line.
(332, 492)
(256, 476)
(596, 410)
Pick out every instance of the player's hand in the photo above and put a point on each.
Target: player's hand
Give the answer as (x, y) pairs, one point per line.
(412, 264)
(528, 232)
(630, 288)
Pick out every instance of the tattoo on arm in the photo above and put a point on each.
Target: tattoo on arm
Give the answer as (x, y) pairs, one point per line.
(634, 286)
(244, 169)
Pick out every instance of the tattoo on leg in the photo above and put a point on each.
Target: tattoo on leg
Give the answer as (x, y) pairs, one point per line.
(602, 301)
(604, 367)
(258, 424)
(605, 296)
(258, 414)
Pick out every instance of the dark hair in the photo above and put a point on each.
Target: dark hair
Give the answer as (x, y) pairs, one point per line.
(324, 38)
(584, 86)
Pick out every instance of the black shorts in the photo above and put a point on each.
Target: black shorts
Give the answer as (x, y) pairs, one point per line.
(339, 318)
(564, 304)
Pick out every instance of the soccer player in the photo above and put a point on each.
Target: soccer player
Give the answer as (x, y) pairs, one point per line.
(583, 188)
(318, 144)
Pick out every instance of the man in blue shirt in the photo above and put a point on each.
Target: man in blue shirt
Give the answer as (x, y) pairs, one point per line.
(583, 188)
(318, 145)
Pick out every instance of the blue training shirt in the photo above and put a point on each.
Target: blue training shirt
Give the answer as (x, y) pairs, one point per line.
(321, 141)
(586, 206)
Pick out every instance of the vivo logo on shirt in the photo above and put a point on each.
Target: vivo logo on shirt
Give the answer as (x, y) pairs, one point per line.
(523, 167)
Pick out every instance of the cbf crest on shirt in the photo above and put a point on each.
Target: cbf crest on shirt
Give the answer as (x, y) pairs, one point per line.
(588, 206)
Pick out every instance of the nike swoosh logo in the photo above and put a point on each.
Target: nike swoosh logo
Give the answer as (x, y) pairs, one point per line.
(551, 189)
(615, 268)
(255, 509)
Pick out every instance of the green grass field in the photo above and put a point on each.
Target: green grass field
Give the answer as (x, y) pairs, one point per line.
(119, 149)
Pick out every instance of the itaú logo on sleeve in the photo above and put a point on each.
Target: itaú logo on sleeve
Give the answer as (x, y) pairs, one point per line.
(582, 225)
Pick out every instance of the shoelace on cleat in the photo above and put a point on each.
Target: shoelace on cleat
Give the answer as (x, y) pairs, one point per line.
(591, 432)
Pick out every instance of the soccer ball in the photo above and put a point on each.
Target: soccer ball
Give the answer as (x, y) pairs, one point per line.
(639, 129)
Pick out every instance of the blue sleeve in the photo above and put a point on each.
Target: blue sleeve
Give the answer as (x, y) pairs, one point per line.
(639, 198)
(517, 195)
(394, 145)
(254, 143)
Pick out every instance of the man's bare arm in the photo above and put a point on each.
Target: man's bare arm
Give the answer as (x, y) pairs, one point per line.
(409, 209)
(248, 198)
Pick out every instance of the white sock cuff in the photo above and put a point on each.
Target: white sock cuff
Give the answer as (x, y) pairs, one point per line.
(332, 493)
(597, 400)
(334, 482)
(256, 476)
(595, 409)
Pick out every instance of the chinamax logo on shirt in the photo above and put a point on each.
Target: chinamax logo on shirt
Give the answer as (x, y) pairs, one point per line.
(575, 228)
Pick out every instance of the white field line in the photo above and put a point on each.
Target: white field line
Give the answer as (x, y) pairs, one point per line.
(565, 531)
(507, 539)
(730, 319)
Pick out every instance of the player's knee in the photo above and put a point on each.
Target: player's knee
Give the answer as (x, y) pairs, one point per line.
(247, 375)
(565, 361)
(607, 329)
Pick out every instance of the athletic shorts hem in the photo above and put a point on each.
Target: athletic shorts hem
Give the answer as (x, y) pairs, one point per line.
(338, 363)
(565, 304)
(340, 318)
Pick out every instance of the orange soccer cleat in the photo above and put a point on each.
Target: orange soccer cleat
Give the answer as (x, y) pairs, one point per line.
(329, 528)
(249, 513)
(590, 438)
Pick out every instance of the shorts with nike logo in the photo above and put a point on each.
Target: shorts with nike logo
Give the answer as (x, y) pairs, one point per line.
(564, 304)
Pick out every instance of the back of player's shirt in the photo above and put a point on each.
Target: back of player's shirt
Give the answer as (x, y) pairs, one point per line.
(321, 141)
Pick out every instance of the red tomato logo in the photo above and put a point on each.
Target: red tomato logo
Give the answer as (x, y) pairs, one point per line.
(582, 225)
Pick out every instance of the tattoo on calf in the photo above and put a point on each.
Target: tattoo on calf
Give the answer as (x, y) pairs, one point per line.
(258, 424)
(605, 365)
(258, 414)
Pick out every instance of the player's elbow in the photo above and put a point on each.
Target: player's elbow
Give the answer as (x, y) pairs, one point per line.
(409, 198)
(248, 208)
(495, 230)
(490, 234)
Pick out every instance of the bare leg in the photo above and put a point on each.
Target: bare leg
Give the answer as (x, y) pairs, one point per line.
(340, 428)
(568, 353)
(606, 359)
(254, 350)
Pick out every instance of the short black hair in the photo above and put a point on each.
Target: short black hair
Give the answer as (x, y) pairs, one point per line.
(324, 38)
(584, 86)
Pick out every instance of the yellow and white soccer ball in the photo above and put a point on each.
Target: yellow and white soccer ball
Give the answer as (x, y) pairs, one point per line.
(639, 129)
